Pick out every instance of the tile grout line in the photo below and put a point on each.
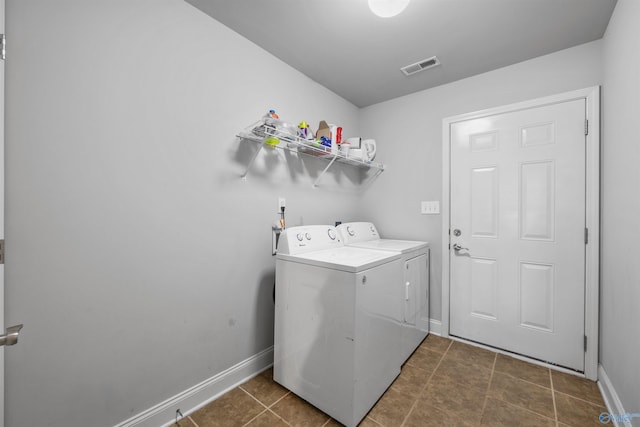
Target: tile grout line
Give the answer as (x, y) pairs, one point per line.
(259, 413)
(192, 422)
(552, 389)
(328, 421)
(522, 379)
(524, 409)
(553, 396)
(555, 419)
(277, 401)
(285, 395)
(580, 399)
(367, 417)
(280, 418)
(266, 408)
(424, 387)
(254, 398)
(257, 400)
(486, 394)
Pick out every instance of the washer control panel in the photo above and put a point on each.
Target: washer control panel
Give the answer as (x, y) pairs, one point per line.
(307, 238)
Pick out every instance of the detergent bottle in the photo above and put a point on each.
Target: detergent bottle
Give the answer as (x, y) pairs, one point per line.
(304, 131)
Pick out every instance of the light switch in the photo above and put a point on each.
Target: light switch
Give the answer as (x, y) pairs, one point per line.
(430, 208)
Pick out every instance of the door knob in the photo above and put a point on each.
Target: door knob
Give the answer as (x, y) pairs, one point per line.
(457, 247)
(11, 337)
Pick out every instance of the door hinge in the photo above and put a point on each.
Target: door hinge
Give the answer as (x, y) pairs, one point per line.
(585, 343)
(586, 127)
(586, 236)
(3, 47)
(2, 251)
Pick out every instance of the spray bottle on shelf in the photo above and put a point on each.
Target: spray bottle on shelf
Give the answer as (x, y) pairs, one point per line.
(271, 115)
(270, 138)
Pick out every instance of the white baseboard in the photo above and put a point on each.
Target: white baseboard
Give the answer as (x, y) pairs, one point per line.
(164, 413)
(611, 399)
(435, 327)
(188, 401)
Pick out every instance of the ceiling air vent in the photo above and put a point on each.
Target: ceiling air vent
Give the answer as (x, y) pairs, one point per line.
(420, 66)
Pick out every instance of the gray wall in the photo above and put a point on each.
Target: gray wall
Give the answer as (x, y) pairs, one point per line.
(137, 259)
(409, 132)
(620, 283)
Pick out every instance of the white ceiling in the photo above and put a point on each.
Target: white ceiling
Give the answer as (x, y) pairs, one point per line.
(344, 47)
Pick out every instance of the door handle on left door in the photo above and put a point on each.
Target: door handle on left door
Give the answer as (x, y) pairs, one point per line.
(11, 337)
(457, 247)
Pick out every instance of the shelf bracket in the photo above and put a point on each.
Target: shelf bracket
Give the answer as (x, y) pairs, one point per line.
(378, 172)
(253, 159)
(315, 184)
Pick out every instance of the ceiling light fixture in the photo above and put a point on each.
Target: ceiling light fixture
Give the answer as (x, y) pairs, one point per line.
(387, 8)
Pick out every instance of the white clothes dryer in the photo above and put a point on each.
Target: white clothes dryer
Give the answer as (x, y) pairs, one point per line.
(337, 329)
(414, 290)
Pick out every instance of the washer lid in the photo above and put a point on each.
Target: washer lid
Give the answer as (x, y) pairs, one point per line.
(402, 246)
(345, 258)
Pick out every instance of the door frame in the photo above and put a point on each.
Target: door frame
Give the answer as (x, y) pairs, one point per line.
(3, 73)
(592, 210)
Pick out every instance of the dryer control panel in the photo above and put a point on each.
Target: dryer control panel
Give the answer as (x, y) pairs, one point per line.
(354, 232)
(307, 238)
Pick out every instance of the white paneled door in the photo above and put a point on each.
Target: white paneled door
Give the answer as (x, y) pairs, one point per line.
(517, 221)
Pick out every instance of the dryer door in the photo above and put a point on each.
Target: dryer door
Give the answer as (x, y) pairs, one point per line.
(415, 277)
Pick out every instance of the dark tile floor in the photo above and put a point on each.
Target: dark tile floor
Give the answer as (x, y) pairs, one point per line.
(444, 383)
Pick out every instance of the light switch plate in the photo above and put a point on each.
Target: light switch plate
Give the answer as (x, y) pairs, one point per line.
(430, 208)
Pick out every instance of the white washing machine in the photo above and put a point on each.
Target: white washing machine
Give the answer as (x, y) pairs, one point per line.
(337, 322)
(414, 288)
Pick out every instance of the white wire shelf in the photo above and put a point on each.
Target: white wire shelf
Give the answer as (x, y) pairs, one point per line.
(267, 134)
